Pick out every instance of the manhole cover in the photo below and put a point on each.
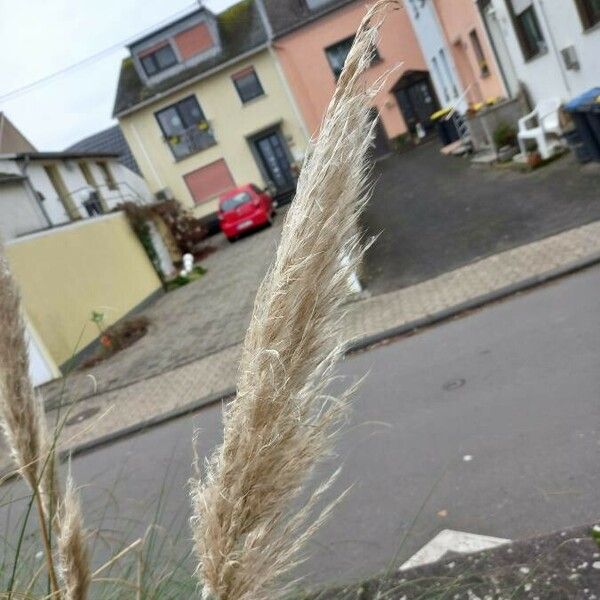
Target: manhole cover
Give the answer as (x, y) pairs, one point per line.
(454, 384)
(82, 416)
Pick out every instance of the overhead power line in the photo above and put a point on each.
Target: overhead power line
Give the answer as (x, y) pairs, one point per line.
(94, 57)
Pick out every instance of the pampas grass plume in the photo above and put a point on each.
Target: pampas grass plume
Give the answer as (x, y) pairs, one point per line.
(280, 426)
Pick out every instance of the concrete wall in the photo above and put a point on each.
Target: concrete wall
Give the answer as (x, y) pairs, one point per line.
(545, 75)
(458, 19)
(231, 122)
(66, 273)
(302, 56)
(432, 41)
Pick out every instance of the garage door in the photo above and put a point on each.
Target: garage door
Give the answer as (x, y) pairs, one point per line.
(207, 182)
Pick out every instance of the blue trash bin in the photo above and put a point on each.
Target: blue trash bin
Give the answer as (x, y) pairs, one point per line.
(585, 112)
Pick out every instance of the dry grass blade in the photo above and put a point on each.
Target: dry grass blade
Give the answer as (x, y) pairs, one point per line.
(19, 408)
(72, 547)
(282, 422)
(21, 412)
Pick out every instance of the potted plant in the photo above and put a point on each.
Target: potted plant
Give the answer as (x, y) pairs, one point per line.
(505, 140)
(534, 159)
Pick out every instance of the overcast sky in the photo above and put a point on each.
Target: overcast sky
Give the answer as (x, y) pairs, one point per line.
(39, 37)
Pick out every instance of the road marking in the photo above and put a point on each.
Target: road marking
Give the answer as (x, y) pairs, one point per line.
(449, 540)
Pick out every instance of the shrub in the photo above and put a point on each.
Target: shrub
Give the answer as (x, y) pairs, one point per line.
(505, 135)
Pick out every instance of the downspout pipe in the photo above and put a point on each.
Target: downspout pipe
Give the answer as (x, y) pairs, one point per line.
(273, 53)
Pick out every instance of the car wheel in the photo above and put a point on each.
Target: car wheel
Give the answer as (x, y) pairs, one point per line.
(231, 240)
(270, 219)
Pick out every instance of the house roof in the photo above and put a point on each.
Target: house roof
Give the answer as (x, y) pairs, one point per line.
(168, 26)
(11, 139)
(287, 15)
(66, 155)
(241, 31)
(109, 140)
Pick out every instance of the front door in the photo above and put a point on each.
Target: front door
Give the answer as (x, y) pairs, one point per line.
(275, 163)
(417, 102)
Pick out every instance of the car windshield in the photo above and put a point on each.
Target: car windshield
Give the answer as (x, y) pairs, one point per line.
(235, 201)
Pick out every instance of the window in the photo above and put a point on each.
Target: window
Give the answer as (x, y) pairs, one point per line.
(315, 4)
(247, 84)
(527, 27)
(92, 205)
(479, 55)
(235, 201)
(185, 127)
(589, 12)
(448, 72)
(337, 53)
(158, 60)
(109, 180)
(440, 79)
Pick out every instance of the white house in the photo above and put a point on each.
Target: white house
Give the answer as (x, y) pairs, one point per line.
(552, 47)
(39, 190)
(432, 41)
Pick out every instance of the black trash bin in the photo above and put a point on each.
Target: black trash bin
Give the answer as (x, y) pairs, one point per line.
(585, 112)
(581, 151)
(446, 128)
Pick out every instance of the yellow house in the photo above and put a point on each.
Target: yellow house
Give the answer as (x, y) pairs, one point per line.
(205, 108)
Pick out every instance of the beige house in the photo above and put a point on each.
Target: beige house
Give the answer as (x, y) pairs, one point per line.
(204, 107)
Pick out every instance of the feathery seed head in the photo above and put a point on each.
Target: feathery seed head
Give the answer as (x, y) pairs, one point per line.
(282, 421)
(72, 547)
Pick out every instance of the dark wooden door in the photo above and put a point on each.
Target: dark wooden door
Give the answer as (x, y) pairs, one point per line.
(276, 164)
(417, 102)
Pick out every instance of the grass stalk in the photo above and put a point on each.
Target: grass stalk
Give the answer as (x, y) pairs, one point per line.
(282, 423)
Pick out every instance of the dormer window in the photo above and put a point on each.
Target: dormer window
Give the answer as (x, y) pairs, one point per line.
(158, 59)
(183, 44)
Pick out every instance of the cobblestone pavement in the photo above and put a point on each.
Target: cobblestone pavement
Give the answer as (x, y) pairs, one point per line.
(434, 213)
(207, 377)
(192, 322)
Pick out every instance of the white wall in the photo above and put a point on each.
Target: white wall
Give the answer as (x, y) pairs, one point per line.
(132, 187)
(545, 75)
(78, 187)
(19, 213)
(52, 204)
(439, 60)
(41, 366)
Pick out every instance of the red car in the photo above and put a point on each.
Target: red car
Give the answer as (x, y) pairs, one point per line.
(243, 209)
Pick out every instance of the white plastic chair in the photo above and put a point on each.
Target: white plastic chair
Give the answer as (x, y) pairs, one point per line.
(546, 113)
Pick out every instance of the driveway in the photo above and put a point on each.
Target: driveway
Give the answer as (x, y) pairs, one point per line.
(436, 213)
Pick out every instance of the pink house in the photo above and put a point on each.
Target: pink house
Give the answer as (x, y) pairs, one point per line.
(468, 42)
(312, 39)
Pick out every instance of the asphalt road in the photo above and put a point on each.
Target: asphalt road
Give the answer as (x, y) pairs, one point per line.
(435, 213)
(487, 424)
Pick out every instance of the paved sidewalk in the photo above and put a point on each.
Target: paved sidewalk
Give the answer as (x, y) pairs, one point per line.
(214, 376)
